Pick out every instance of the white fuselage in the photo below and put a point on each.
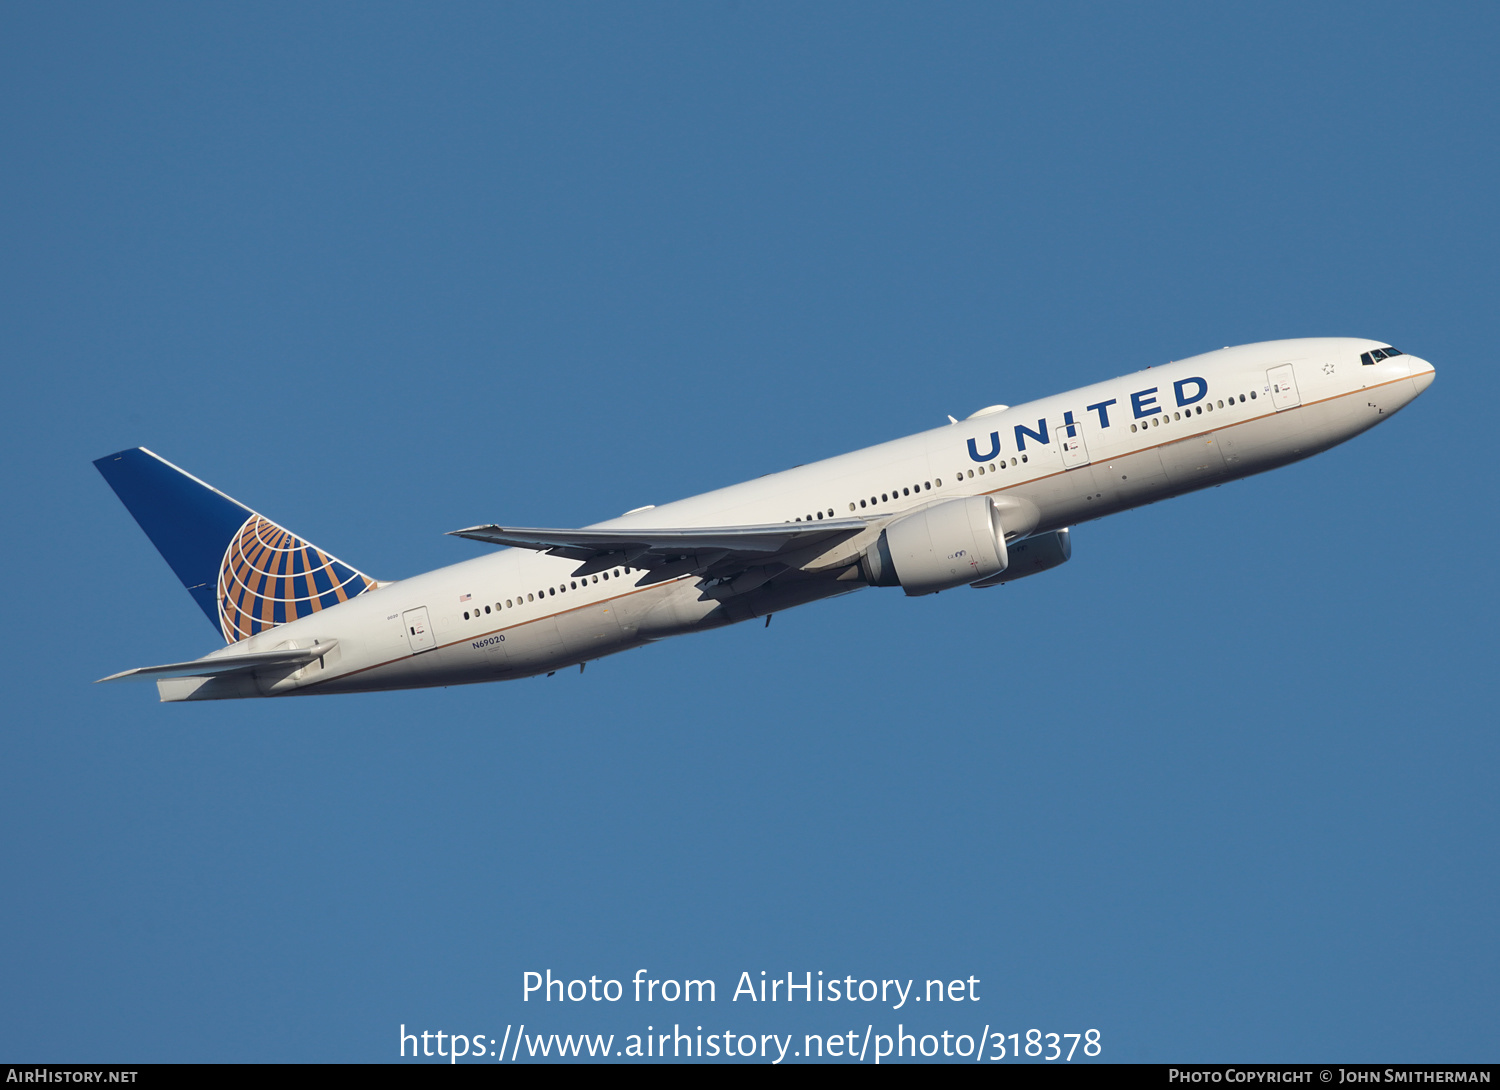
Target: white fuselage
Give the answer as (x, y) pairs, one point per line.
(1047, 464)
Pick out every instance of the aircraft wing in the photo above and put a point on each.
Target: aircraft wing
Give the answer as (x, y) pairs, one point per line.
(214, 665)
(718, 552)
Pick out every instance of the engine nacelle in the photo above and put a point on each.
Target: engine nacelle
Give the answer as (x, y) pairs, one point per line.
(1041, 553)
(940, 547)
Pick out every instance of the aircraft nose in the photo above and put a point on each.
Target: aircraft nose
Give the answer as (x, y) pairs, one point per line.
(1421, 373)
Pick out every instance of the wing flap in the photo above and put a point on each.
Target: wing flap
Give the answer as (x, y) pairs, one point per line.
(665, 543)
(732, 559)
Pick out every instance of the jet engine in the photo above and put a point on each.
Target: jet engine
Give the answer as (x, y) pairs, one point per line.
(1035, 554)
(946, 545)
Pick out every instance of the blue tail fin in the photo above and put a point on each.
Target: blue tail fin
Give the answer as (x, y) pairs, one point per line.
(244, 571)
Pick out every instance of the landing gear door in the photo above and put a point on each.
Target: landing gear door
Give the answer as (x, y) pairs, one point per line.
(1283, 387)
(418, 629)
(1070, 444)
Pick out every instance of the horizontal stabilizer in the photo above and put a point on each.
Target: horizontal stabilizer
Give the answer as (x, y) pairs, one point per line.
(217, 665)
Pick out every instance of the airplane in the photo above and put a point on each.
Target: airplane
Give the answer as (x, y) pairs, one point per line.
(976, 502)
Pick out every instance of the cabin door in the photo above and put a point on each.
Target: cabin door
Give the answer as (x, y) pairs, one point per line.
(1071, 445)
(418, 629)
(1283, 387)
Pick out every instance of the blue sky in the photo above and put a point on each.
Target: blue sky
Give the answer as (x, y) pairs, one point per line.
(1222, 787)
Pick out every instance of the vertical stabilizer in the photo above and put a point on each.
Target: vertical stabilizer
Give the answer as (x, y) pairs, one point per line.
(244, 571)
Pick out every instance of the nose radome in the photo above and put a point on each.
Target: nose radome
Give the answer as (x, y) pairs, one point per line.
(1421, 373)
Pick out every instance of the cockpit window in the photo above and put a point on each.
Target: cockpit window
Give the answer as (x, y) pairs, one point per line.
(1369, 358)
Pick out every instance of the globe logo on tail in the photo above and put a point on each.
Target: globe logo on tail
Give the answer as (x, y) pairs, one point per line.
(270, 576)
